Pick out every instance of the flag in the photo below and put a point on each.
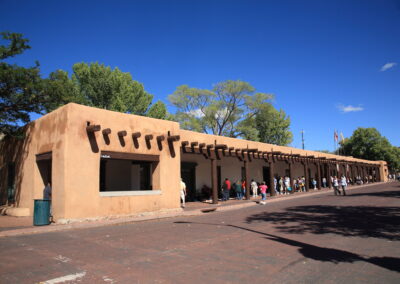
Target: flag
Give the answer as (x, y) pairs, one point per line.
(341, 137)
(335, 136)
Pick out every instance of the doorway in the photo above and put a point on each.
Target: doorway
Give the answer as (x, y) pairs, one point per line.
(188, 175)
(266, 177)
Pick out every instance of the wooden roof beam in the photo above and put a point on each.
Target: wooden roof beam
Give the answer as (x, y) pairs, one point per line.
(93, 128)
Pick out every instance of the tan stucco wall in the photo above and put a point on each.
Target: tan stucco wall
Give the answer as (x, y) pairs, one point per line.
(43, 135)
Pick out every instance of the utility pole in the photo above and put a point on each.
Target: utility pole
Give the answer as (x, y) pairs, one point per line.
(302, 137)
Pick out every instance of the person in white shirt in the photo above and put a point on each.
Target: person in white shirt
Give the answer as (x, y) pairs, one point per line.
(343, 183)
(254, 188)
(335, 184)
(183, 193)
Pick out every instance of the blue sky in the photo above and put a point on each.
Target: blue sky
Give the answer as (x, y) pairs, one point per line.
(319, 58)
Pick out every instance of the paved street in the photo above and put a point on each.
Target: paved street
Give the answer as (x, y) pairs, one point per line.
(316, 239)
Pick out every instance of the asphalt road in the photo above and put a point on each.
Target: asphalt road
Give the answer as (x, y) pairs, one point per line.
(316, 239)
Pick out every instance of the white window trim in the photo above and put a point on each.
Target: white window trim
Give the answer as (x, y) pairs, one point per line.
(130, 193)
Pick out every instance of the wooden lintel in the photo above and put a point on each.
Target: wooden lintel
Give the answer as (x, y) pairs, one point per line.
(136, 134)
(106, 131)
(201, 148)
(173, 138)
(221, 146)
(122, 133)
(93, 128)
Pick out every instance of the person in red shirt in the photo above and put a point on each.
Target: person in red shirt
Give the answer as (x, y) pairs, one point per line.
(263, 189)
(226, 189)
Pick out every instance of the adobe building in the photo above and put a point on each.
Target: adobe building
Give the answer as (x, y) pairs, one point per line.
(102, 163)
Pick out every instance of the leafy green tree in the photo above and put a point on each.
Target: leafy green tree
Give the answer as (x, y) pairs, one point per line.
(20, 87)
(157, 110)
(228, 109)
(63, 90)
(233, 109)
(368, 143)
(273, 126)
(100, 86)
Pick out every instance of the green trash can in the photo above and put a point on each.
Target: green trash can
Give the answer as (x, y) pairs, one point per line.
(41, 212)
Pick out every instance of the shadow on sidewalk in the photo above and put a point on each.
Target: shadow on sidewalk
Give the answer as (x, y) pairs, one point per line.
(392, 194)
(319, 253)
(357, 221)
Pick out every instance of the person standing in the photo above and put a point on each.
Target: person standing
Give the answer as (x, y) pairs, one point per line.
(343, 183)
(263, 190)
(47, 194)
(227, 187)
(314, 183)
(276, 186)
(238, 189)
(183, 193)
(243, 188)
(254, 188)
(335, 184)
(324, 182)
(295, 185)
(281, 188)
(287, 185)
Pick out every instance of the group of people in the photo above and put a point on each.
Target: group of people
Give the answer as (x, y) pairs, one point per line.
(239, 188)
(336, 183)
(282, 186)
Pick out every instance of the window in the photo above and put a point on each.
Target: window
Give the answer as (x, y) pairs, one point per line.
(128, 172)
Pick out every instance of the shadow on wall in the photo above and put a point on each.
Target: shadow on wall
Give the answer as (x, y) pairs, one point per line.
(319, 253)
(357, 221)
(13, 153)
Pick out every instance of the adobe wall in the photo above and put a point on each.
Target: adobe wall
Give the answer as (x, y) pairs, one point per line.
(45, 134)
(82, 196)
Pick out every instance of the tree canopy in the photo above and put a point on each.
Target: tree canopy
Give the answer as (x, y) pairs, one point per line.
(273, 126)
(100, 86)
(230, 109)
(20, 87)
(368, 143)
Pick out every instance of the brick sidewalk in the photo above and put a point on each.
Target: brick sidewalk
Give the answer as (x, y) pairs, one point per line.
(14, 226)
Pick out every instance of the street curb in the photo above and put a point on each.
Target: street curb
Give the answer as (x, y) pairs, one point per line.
(163, 215)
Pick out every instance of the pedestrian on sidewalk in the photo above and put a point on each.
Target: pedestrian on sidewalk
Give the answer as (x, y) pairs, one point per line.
(226, 189)
(254, 188)
(263, 190)
(238, 190)
(47, 194)
(183, 193)
(314, 183)
(343, 184)
(281, 188)
(324, 182)
(243, 188)
(336, 185)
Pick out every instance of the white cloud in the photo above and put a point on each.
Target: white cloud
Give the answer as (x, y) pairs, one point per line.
(349, 108)
(388, 66)
(196, 113)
